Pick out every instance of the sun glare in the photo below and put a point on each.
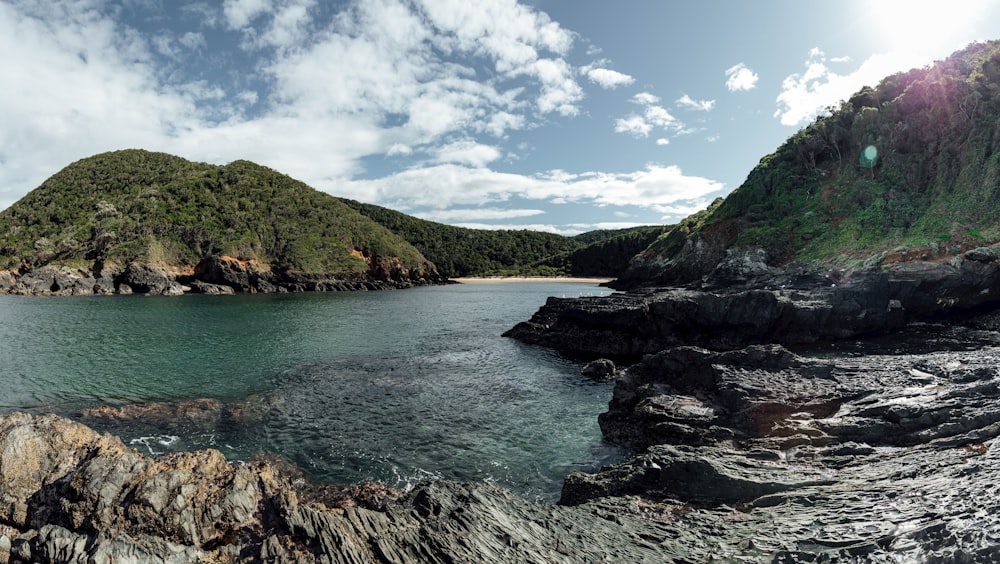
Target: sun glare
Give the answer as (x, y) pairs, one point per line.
(924, 25)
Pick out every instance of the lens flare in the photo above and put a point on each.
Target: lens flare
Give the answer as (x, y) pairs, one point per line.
(869, 156)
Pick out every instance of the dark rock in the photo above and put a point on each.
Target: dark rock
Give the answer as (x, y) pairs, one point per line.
(53, 281)
(866, 303)
(200, 287)
(241, 275)
(72, 495)
(148, 279)
(600, 369)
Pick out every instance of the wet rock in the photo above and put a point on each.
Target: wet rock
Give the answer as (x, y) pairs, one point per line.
(204, 411)
(200, 287)
(600, 369)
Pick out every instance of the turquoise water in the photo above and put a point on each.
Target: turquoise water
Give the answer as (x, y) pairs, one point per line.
(394, 386)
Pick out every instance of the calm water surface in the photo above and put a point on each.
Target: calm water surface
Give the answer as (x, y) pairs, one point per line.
(394, 386)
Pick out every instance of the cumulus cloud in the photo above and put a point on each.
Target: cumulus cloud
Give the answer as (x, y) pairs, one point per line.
(653, 116)
(686, 101)
(467, 152)
(447, 186)
(807, 94)
(369, 80)
(608, 79)
(740, 77)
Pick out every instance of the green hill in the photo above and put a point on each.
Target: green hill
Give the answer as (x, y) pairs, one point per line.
(458, 251)
(909, 168)
(138, 207)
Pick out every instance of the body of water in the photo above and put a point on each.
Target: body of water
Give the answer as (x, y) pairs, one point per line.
(396, 386)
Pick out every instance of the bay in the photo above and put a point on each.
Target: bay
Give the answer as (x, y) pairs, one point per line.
(397, 386)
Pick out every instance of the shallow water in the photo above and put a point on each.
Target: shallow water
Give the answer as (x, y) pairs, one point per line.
(395, 386)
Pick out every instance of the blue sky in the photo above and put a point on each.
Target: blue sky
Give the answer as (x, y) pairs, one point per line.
(554, 115)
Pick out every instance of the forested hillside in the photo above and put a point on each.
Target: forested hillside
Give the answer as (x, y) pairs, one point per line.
(457, 251)
(136, 206)
(905, 168)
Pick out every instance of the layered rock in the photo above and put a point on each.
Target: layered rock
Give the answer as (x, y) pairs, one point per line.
(791, 306)
(774, 457)
(68, 494)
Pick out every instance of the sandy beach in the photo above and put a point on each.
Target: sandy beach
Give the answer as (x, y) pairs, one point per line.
(531, 279)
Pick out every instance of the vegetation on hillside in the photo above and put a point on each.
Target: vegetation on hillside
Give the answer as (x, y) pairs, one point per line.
(458, 251)
(912, 161)
(138, 206)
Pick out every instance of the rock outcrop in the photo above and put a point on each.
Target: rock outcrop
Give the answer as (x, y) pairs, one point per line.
(790, 307)
(754, 455)
(215, 275)
(769, 456)
(68, 494)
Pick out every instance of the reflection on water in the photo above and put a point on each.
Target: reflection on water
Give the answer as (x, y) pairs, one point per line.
(394, 386)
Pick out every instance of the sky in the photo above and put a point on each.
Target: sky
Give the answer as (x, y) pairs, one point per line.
(553, 115)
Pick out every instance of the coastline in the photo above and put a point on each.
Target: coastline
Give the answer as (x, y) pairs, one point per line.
(519, 279)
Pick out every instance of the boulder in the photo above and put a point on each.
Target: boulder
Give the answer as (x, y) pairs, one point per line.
(601, 369)
(54, 281)
(68, 494)
(148, 279)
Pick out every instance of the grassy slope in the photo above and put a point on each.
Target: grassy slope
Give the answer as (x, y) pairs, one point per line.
(135, 205)
(935, 183)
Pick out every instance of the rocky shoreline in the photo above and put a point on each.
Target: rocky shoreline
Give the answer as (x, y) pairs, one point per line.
(749, 452)
(790, 307)
(756, 455)
(215, 275)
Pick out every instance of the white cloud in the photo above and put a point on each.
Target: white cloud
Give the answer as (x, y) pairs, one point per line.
(645, 99)
(477, 214)
(633, 125)
(447, 185)
(653, 116)
(686, 101)
(467, 152)
(740, 77)
(609, 79)
(239, 13)
(663, 141)
(807, 95)
(193, 41)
